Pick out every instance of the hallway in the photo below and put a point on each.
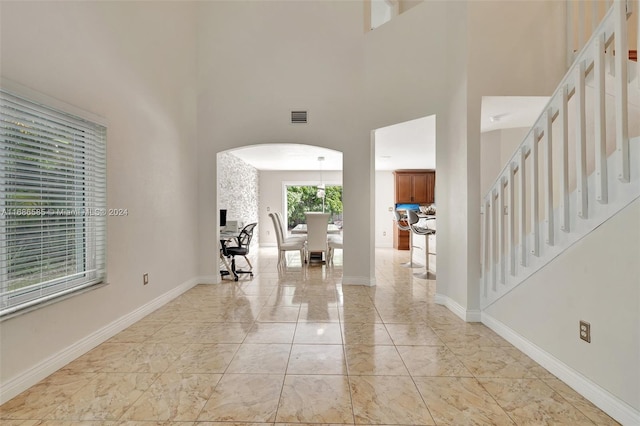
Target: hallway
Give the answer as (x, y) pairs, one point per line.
(297, 347)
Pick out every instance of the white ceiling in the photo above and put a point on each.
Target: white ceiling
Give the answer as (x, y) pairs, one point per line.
(408, 145)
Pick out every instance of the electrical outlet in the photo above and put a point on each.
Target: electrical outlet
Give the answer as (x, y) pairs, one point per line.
(384, 233)
(145, 279)
(585, 331)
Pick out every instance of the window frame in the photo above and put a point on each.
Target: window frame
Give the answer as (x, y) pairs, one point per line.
(89, 233)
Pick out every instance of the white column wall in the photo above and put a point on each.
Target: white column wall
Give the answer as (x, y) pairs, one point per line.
(385, 193)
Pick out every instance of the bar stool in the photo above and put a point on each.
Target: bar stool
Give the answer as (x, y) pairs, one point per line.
(413, 219)
(407, 227)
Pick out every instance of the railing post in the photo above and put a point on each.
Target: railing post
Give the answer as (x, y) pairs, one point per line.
(535, 199)
(600, 120)
(581, 143)
(621, 60)
(501, 251)
(563, 115)
(523, 207)
(494, 239)
(485, 247)
(548, 175)
(512, 221)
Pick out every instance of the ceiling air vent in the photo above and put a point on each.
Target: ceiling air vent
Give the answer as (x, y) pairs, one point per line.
(298, 117)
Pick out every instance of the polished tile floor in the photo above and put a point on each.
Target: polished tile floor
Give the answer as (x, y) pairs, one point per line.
(295, 346)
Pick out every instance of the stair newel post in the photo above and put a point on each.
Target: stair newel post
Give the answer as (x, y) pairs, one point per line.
(548, 174)
(621, 59)
(581, 142)
(600, 120)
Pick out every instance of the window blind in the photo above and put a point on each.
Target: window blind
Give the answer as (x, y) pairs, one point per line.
(52, 203)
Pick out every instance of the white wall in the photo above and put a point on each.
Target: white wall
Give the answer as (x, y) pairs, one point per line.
(260, 60)
(135, 65)
(596, 280)
(272, 196)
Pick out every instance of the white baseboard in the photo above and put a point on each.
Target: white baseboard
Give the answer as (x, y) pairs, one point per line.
(603, 399)
(473, 315)
(30, 377)
(366, 281)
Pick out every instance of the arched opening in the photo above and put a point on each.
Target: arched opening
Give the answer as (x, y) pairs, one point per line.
(254, 181)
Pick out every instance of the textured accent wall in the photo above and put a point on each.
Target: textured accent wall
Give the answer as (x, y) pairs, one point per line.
(239, 189)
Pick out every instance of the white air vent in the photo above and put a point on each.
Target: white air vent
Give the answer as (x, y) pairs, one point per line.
(298, 117)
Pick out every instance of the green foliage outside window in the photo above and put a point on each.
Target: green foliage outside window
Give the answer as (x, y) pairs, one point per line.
(301, 199)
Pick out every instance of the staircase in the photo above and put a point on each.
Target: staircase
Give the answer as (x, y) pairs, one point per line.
(578, 165)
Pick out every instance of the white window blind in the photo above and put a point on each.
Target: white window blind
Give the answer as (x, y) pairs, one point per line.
(52, 203)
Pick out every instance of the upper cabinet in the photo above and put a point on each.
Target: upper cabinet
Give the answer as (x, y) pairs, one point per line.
(415, 186)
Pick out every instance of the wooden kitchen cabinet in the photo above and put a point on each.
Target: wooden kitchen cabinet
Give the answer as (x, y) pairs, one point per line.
(415, 186)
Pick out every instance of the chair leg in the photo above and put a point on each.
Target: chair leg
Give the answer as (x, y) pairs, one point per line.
(426, 275)
(233, 269)
(248, 263)
(411, 263)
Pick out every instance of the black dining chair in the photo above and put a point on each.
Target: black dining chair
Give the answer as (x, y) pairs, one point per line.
(243, 242)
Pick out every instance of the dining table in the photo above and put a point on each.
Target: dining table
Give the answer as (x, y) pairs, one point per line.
(301, 228)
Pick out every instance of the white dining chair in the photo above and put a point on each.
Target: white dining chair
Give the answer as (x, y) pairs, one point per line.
(317, 224)
(287, 244)
(334, 242)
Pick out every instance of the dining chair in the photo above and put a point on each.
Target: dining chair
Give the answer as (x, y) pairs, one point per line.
(317, 224)
(241, 248)
(283, 229)
(425, 230)
(406, 227)
(287, 244)
(334, 242)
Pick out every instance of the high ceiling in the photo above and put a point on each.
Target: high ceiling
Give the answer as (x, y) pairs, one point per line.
(408, 145)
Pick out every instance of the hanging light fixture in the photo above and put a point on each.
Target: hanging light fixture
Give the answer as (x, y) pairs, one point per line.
(321, 188)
